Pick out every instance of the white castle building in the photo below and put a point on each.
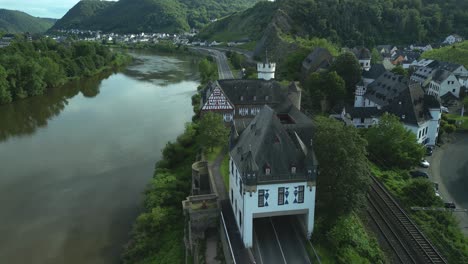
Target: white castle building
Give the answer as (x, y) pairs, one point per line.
(273, 172)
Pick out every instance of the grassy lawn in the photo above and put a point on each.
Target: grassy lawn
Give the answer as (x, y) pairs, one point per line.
(225, 171)
(463, 119)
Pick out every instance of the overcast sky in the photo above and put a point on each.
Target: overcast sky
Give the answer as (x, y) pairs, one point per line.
(40, 8)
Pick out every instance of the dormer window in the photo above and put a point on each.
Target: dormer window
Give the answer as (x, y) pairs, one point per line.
(255, 98)
(266, 98)
(293, 169)
(242, 98)
(267, 171)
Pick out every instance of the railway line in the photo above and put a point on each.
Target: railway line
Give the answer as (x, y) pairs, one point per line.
(404, 237)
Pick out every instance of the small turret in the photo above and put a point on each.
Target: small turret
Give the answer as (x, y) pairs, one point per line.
(266, 70)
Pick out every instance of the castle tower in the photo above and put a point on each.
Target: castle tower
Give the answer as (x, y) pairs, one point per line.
(359, 100)
(266, 70)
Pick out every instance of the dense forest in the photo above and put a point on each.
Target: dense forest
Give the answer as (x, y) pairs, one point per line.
(18, 22)
(132, 16)
(349, 22)
(29, 68)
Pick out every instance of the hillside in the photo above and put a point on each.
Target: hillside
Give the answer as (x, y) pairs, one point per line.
(346, 22)
(457, 53)
(80, 14)
(17, 22)
(148, 15)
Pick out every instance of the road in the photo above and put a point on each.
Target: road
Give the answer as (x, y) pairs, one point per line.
(223, 67)
(276, 240)
(449, 167)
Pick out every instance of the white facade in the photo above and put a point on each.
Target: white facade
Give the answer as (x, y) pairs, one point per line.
(365, 64)
(449, 85)
(266, 200)
(266, 71)
(453, 39)
(427, 132)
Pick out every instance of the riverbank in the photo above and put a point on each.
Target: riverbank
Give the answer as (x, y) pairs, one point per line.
(28, 69)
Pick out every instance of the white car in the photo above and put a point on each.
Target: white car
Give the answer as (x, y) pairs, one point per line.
(424, 164)
(444, 109)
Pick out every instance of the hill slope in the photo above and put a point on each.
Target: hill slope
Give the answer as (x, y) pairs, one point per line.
(17, 22)
(81, 13)
(148, 15)
(347, 22)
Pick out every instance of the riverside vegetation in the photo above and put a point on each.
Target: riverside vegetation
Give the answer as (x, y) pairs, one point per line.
(157, 235)
(29, 68)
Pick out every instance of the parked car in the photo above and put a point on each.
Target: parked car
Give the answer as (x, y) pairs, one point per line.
(429, 151)
(424, 164)
(444, 109)
(450, 205)
(419, 174)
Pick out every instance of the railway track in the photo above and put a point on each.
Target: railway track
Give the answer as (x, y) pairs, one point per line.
(406, 240)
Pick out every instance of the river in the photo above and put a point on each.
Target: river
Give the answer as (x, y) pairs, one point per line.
(74, 162)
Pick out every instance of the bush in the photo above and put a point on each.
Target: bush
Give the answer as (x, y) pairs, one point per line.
(352, 243)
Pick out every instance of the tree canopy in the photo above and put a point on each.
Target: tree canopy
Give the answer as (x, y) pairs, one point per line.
(29, 68)
(328, 86)
(213, 132)
(348, 67)
(208, 70)
(392, 145)
(344, 172)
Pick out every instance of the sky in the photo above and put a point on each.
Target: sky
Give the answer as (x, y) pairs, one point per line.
(40, 8)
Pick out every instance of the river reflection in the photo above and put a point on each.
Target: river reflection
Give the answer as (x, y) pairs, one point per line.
(74, 162)
(25, 116)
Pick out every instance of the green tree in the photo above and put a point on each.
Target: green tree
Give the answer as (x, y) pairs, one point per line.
(208, 71)
(213, 132)
(348, 67)
(5, 94)
(465, 102)
(344, 172)
(419, 192)
(399, 70)
(376, 57)
(449, 128)
(328, 86)
(392, 144)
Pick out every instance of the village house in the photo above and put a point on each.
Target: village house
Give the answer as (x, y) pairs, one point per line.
(237, 99)
(452, 39)
(364, 57)
(272, 172)
(6, 40)
(243, 99)
(390, 93)
(386, 51)
(319, 59)
(440, 78)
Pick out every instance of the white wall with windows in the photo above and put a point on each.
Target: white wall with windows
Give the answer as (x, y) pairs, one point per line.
(289, 198)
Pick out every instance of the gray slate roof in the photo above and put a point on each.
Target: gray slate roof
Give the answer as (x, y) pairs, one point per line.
(266, 142)
(409, 102)
(386, 88)
(440, 76)
(409, 106)
(375, 71)
(317, 59)
(362, 53)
